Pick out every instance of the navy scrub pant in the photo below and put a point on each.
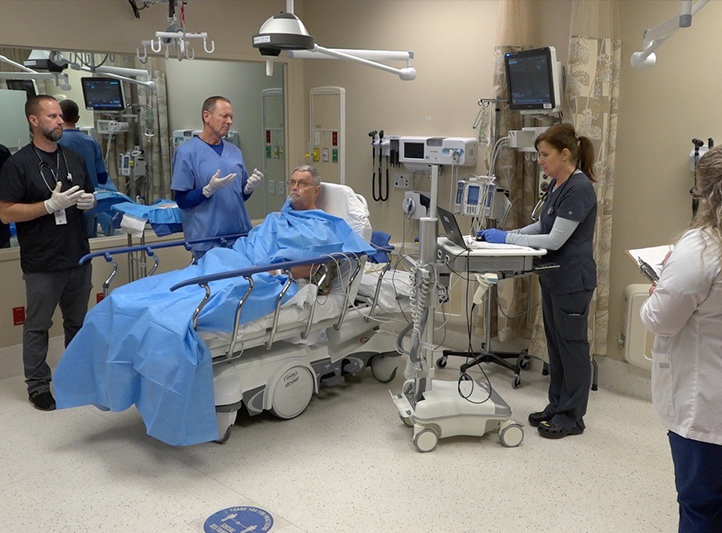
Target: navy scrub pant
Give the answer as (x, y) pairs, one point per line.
(697, 467)
(44, 291)
(565, 324)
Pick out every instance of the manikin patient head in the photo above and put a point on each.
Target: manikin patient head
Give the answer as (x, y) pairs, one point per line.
(304, 187)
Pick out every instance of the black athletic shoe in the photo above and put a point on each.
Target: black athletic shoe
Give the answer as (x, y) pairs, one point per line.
(552, 430)
(536, 418)
(42, 399)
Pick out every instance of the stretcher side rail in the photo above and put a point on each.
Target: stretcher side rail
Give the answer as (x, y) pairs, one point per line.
(149, 250)
(285, 266)
(387, 250)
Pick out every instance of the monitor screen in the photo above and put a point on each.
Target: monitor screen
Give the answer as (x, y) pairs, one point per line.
(530, 76)
(414, 150)
(472, 196)
(23, 85)
(103, 94)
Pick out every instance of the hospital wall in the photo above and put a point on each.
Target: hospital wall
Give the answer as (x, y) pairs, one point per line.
(661, 109)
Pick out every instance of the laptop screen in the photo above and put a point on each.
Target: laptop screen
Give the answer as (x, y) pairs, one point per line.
(451, 228)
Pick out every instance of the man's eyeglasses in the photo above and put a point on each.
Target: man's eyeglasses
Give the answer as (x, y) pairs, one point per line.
(300, 184)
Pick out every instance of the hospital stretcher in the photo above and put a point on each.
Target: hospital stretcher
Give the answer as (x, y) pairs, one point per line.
(277, 363)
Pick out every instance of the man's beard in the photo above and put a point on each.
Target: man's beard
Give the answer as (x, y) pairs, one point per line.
(294, 199)
(53, 135)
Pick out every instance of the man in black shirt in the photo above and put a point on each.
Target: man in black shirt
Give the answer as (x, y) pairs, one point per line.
(4, 228)
(44, 191)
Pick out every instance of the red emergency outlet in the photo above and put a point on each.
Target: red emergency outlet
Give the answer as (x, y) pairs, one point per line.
(98, 297)
(18, 316)
(268, 136)
(334, 137)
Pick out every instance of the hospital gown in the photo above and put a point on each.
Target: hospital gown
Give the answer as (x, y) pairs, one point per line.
(138, 346)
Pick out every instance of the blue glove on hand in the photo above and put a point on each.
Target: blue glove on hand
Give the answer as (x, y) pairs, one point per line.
(494, 235)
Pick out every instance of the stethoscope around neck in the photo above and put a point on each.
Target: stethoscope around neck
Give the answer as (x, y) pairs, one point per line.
(536, 212)
(44, 164)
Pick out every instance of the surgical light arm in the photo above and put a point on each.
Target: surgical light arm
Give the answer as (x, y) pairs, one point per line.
(60, 80)
(369, 58)
(118, 73)
(653, 38)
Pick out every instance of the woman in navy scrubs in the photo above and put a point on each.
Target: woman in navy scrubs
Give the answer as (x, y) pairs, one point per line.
(566, 230)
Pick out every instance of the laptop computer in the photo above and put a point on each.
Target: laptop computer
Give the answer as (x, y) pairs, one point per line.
(451, 228)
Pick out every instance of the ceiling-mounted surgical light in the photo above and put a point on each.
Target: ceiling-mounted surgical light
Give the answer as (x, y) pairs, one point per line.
(285, 31)
(45, 60)
(42, 59)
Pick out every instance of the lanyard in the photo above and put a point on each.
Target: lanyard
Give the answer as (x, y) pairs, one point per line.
(550, 210)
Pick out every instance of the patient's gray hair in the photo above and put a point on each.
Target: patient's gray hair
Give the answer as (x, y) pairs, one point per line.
(315, 176)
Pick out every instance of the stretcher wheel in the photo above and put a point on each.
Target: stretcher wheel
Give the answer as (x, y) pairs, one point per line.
(226, 436)
(516, 381)
(425, 440)
(292, 392)
(225, 420)
(441, 361)
(383, 368)
(511, 434)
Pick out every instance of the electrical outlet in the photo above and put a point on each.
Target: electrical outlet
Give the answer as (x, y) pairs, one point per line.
(271, 187)
(281, 187)
(402, 181)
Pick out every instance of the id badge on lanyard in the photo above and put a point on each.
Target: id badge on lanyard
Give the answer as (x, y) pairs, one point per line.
(61, 217)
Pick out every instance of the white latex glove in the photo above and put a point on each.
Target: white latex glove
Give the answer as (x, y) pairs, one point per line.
(62, 200)
(217, 183)
(86, 201)
(253, 181)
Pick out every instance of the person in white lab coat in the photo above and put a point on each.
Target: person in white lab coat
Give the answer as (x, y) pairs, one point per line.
(684, 311)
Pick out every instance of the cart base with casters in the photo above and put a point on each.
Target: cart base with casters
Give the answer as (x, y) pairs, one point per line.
(450, 409)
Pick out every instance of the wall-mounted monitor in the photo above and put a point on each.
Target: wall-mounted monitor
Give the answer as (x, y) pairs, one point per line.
(23, 85)
(534, 78)
(103, 94)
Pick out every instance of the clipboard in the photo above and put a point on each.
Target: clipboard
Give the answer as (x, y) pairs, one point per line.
(650, 260)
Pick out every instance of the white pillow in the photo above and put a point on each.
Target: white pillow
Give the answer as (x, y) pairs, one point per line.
(343, 202)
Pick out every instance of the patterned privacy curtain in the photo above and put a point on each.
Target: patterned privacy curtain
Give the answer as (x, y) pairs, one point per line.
(592, 92)
(156, 137)
(513, 170)
(149, 130)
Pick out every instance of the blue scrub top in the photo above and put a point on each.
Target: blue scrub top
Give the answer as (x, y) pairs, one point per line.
(224, 213)
(574, 200)
(89, 148)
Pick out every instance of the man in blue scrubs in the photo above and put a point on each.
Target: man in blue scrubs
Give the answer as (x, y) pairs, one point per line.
(89, 148)
(204, 180)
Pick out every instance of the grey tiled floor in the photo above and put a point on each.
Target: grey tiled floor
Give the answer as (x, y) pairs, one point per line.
(347, 464)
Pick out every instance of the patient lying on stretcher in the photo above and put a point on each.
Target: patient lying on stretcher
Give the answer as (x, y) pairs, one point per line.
(139, 347)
